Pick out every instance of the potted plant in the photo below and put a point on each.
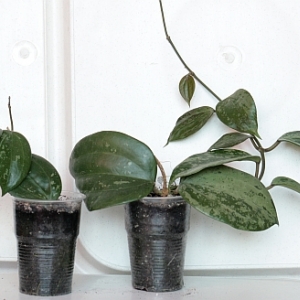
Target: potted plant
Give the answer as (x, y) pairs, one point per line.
(113, 168)
(46, 219)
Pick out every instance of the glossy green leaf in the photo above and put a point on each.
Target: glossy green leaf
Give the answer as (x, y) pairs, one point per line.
(291, 137)
(238, 111)
(230, 196)
(198, 162)
(109, 190)
(15, 159)
(190, 122)
(287, 183)
(229, 140)
(187, 87)
(43, 182)
(112, 168)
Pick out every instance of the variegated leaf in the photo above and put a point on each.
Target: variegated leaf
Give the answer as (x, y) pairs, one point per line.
(42, 182)
(238, 111)
(112, 168)
(190, 122)
(230, 196)
(187, 87)
(198, 162)
(291, 137)
(15, 159)
(287, 183)
(229, 140)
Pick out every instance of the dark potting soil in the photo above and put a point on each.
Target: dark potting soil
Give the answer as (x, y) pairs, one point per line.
(46, 246)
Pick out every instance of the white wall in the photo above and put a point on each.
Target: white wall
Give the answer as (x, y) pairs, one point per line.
(106, 65)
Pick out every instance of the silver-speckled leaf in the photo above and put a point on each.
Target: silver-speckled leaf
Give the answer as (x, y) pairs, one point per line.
(198, 162)
(287, 183)
(15, 159)
(187, 87)
(229, 140)
(190, 122)
(112, 168)
(42, 182)
(291, 137)
(230, 196)
(238, 111)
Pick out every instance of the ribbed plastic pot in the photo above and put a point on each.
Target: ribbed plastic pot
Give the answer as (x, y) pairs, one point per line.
(46, 234)
(157, 230)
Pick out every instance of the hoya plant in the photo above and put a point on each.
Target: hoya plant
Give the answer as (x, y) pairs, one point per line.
(22, 173)
(239, 113)
(113, 168)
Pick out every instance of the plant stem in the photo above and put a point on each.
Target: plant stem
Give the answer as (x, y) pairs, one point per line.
(257, 164)
(272, 147)
(165, 190)
(256, 170)
(257, 145)
(180, 57)
(10, 115)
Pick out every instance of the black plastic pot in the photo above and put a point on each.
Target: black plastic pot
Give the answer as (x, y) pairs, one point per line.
(157, 229)
(46, 233)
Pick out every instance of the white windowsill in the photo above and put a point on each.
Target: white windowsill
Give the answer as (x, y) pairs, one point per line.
(114, 287)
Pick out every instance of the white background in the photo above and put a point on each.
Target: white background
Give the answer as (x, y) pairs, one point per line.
(87, 66)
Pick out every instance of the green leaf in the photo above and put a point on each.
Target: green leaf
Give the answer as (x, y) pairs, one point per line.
(112, 168)
(229, 140)
(190, 122)
(238, 111)
(291, 137)
(198, 162)
(114, 189)
(15, 159)
(230, 196)
(287, 183)
(42, 182)
(187, 88)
